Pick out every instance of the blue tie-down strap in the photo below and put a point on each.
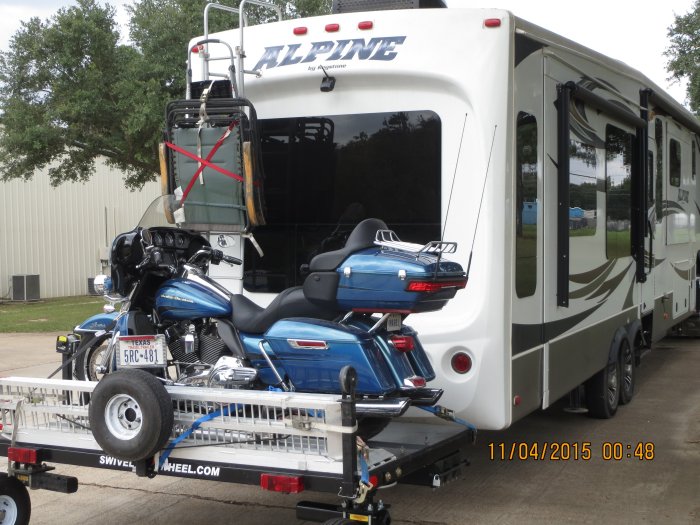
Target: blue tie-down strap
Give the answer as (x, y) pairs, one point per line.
(449, 415)
(187, 433)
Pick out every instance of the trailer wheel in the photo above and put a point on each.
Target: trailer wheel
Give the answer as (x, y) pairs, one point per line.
(603, 391)
(131, 414)
(15, 506)
(628, 372)
(90, 353)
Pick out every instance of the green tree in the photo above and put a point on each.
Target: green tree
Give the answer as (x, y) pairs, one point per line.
(71, 91)
(684, 53)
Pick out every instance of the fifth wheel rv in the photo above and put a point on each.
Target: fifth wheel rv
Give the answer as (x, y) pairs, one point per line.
(567, 178)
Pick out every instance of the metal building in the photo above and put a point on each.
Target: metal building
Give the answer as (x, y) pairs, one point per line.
(62, 234)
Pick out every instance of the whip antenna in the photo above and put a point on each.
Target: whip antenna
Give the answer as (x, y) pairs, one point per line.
(481, 200)
(454, 176)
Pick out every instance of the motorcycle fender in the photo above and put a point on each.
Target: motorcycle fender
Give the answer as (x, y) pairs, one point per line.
(313, 351)
(97, 322)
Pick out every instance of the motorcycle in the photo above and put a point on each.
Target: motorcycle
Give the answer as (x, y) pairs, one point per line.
(183, 328)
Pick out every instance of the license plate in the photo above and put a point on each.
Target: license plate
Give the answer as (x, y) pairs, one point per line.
(139, 351)
(393, 322)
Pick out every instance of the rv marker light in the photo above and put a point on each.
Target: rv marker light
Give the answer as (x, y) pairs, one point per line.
(461, 363)
(368, 24)
(492, 22)
(300, 30)
(332, 28)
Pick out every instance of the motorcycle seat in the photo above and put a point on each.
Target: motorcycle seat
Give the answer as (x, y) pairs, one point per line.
(249, 317)
(361, 237)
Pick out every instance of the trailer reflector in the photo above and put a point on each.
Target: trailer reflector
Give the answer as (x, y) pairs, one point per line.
(367, 24)
(300, 30)
(461, 363)
(332, 28)
(492, 22)
(23, 455)
(286, 484)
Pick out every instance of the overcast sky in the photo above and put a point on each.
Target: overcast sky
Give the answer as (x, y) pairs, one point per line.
(633, 31)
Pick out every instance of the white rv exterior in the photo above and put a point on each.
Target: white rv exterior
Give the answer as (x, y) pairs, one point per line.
(554, 287)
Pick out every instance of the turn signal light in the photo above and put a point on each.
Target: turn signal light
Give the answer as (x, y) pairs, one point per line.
(23, 455)
(461, 363)
(403, 343)
(434, 286)
(286, 484)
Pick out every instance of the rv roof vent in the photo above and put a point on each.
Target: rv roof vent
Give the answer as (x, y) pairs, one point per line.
(353, 6)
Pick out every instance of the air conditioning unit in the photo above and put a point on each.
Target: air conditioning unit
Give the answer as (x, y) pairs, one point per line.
(25, 287)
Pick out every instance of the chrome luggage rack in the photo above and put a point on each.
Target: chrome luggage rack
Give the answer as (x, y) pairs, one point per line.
(389, 239)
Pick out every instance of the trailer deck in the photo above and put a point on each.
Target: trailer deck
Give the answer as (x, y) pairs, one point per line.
(282, 441)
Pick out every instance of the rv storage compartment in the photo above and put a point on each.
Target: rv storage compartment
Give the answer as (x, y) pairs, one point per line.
(313, 362)
(381, 279)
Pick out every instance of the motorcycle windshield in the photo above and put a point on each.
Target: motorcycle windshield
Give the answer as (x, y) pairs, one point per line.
(162, 212)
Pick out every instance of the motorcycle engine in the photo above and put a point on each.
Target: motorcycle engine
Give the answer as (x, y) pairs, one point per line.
(206, 362)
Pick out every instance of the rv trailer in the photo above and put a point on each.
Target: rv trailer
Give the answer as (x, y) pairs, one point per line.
(567, 178)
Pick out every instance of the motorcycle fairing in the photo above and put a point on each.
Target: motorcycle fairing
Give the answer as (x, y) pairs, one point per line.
(101, 321)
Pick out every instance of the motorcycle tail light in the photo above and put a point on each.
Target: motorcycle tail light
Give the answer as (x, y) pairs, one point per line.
(403, 343)
(415, 382)
(23, 455)
(434, 286)
(286, 484)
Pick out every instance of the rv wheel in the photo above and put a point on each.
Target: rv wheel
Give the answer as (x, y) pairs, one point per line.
(15, 506)
(628, 372)
(131, 414)
(603, 391)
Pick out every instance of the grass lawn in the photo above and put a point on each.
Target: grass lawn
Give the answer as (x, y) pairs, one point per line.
(48, 315)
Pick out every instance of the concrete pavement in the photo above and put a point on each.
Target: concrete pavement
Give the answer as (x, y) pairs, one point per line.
(665, 412)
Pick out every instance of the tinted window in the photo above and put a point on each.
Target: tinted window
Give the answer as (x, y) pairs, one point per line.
(618, 182)
(582, 189)
(674, 166)
(325, 174)
(526, 212)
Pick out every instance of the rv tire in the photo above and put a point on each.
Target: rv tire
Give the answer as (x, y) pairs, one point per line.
(628, 372)
(603, 391)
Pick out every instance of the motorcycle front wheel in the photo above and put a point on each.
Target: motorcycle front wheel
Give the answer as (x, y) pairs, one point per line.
(90, 357)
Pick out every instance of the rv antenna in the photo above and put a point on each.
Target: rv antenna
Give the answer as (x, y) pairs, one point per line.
(481, 200)
(454, 176)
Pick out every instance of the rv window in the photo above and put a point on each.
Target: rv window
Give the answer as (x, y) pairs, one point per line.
(582, 189)
(618, 184)
(325, 174)
(526, 206)
(674, 163)
(659, 139)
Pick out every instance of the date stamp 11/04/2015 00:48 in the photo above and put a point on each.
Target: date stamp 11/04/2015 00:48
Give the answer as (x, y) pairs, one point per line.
(574, 451)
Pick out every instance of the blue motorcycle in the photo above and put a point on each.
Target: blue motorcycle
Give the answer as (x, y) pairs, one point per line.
(185, 329)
